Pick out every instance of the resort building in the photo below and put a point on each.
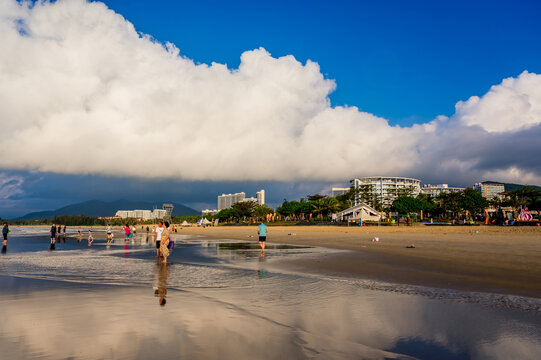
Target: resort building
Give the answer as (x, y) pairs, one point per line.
(335, 191)
(387, 188)
(225, 201)
(142, 214)
(360, 212)
(490, 191)
(435, 190)
(209, 212)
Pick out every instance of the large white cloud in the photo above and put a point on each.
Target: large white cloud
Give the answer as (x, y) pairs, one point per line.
(82, 92)
(514, 104)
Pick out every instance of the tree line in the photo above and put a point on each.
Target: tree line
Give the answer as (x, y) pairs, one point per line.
(319, 207)
(447, 204)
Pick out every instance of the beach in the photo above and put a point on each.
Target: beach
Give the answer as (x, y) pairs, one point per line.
(492, 259)
(227, 299)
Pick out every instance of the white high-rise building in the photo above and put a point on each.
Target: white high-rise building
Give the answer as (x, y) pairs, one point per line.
(490, 191)
(260, 197)
(225, 201)
(435, 190)
(388, 188)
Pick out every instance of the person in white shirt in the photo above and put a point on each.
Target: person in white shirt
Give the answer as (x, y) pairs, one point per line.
(158, 239)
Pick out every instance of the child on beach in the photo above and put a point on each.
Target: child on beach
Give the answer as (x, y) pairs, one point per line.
(109, 234)
(79, 236)
(90, 238)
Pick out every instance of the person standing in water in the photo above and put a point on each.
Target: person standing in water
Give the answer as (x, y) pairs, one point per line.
(90, 238)
(53, 236)
(109, 234)
(158, 239)
(164, 250)
(5, 232)
(127, 230)
(262, 232)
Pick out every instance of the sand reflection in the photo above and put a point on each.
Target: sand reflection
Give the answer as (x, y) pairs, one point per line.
(301, 320)
(228, 301)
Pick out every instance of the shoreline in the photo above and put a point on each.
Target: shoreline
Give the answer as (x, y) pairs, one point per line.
(483, 259)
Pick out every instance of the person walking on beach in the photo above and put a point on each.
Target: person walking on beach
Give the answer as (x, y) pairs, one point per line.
(64, 232)
(164, 250)
(79, 236)
(90, 238)
(262, 232)
(53, 236)
(158, 238)
(5, 232)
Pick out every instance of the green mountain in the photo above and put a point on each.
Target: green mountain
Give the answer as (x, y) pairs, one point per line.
(97, 208)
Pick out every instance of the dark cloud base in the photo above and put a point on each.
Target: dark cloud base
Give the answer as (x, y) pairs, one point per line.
(47, 191)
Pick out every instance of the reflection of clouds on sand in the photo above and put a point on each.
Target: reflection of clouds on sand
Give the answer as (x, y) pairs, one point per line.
(321, 320)
(118, 324)
(112, 268)
(222, 307)
(510, 346)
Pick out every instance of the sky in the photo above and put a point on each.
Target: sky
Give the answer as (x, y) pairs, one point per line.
(183, 100)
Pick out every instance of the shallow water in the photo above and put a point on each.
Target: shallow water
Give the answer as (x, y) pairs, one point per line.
(224, 300)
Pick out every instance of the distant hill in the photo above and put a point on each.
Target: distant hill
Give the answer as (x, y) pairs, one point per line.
(96, 208)
(512, 187)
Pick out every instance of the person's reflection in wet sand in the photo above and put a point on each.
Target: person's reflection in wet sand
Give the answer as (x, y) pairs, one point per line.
(262, 273)
(160, 288)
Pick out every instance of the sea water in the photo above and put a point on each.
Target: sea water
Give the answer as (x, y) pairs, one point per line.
(226, 300)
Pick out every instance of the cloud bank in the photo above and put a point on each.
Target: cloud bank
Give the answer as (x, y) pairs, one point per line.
(82, 92)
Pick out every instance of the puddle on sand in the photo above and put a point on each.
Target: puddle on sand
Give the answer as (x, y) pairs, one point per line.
(222, 301)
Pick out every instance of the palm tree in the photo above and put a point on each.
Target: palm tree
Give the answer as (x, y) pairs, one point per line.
(318, 206)
(331, 205)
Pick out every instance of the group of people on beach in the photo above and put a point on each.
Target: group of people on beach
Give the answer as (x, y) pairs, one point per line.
(57, 233)
(161, 235)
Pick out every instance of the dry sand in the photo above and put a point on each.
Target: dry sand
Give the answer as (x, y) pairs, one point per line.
(478, 258)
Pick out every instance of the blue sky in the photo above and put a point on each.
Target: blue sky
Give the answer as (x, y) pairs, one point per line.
(407, 61)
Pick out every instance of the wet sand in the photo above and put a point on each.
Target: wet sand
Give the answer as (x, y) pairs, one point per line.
(480, 258)
(226, 300)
